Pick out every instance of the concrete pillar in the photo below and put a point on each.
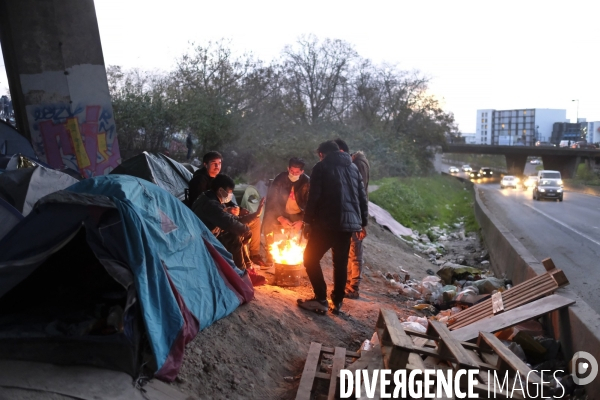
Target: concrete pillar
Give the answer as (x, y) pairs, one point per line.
(567, 165)
(515, 164)
(58, 83)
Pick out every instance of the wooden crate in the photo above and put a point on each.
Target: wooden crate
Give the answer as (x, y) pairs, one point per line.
(312, 371)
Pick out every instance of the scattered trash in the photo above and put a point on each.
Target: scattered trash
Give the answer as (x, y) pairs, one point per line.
(414, 326)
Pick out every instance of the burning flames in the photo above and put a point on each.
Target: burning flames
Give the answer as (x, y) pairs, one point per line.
(288, 251)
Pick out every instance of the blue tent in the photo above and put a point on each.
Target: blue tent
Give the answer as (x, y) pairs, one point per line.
(181, 276)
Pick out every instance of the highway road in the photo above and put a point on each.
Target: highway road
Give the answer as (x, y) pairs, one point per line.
(568, 232)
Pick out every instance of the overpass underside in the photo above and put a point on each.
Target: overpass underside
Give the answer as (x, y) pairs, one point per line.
(567, 165)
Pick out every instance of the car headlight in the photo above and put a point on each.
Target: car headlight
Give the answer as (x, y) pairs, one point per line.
(560, 182)
(516, 179)
(491, 173)
(542, 190)
(559, 190)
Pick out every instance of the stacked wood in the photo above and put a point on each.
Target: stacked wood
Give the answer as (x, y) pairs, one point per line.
(526, 292)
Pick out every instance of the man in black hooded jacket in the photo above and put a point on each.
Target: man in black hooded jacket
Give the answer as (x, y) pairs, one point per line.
(337, 207)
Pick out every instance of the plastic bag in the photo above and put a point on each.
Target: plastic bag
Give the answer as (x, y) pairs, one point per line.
(420, 320)
(413, 326)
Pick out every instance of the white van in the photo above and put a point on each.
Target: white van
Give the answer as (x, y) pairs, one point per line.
(548, 174)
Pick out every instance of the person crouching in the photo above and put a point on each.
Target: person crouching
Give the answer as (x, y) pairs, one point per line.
(231, 230)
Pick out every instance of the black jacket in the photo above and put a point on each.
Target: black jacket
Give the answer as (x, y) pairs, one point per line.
(279, 192)
(199, 184)
(337, 200)
(210, 211)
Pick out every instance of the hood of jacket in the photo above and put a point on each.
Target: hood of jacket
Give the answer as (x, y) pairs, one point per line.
(338, 158)
(359, 156)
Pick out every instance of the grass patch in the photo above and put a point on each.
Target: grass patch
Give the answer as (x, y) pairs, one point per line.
(586, 176)
(419, 203)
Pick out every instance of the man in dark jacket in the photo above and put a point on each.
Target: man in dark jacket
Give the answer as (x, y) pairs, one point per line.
(286, 201)
(231, 230)
(201, 182)
(355, 261)
(337, 207)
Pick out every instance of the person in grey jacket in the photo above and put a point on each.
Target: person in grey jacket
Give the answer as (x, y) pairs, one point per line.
(336, 208)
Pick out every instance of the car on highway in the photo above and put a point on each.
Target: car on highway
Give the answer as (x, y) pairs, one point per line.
(486, 172)
(530, 182)
(548, 189)
(535, 161)
(474, 175)
(509, 181)
(549, 174)
(453, 170)
(466, 168)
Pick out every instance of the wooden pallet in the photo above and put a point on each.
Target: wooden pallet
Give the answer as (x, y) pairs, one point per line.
(526, 292)
(403, 349)
(312, 373)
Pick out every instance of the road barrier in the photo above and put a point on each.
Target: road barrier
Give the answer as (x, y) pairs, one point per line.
(576, 327)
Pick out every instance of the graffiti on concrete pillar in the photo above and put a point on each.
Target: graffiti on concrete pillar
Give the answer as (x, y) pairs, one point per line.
(82, 138)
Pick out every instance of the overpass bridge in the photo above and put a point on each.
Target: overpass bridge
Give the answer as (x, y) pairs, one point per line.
(561, 159)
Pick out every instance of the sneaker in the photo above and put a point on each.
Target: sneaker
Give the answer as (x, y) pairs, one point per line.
(335, 307)
(318, 306)
(257, 259)
(256, 279)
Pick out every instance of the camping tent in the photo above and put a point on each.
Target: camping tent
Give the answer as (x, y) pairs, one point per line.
(158, 169)
(9, 217)
(21, 188)
(11, 141)
(121, 241)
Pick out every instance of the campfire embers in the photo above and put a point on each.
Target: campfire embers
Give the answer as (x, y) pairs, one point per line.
(288, 255)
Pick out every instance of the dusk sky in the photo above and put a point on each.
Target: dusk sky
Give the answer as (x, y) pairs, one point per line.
(502, 55)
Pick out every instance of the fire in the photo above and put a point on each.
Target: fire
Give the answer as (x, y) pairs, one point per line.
(288, 251)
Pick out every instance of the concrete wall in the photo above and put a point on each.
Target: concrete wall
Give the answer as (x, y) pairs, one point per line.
(577, 327)
(58, 83)
(593, 129)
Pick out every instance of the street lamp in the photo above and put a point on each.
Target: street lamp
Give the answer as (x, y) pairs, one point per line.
(577, 118)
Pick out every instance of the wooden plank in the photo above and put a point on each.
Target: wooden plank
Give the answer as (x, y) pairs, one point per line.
(394, 330)
(510, 303)
(331, 350)
(447, 343)
(548, 264)
(308, 374)
(497, 305)
(339, 361)
(512, 317)
(510, 358)
(560, 278)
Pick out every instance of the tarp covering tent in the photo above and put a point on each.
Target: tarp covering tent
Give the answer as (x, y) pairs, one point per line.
(9, 217)
(22, 188)
(12, 142)
(184, 279)
(158, 169)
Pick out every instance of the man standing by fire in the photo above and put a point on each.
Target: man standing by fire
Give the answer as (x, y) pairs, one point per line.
(286, 202)
(336, 208)
(356, 250)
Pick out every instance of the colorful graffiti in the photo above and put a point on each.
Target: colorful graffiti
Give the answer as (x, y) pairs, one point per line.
(83, 139)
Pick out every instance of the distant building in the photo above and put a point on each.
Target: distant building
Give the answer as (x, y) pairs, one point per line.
(516, 127)
(470, 138)
(593, 132)
(568, 131)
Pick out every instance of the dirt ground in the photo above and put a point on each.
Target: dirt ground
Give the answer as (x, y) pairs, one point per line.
(258, 352)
